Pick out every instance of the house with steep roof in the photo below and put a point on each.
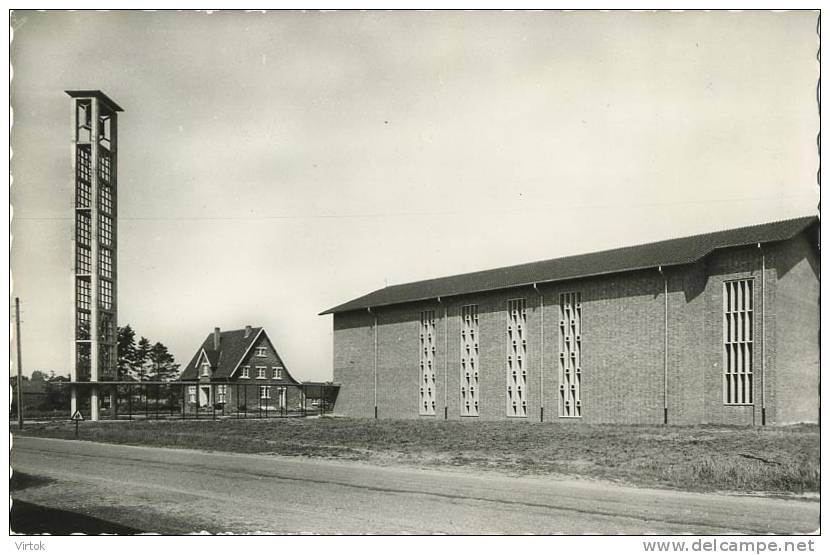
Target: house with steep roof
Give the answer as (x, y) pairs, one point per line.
(718, 328)
(240, 370)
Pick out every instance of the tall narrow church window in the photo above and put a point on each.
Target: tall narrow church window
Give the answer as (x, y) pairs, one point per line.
(83, 293)
(104, 166)
(82, 327)
(106, 198)
(83, 169)
(469, 361)
(427, 370)
(83, 259)
(516, 358)
(737, 341)
(570, 354)
(82, 228)
(105, 228)
(105, 292)
(105, 262)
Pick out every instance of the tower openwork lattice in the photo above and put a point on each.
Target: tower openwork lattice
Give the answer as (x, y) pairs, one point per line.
(94, 241)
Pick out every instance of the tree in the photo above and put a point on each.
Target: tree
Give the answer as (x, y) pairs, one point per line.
(144, 361)
(126, 351)
(164, 366)
(58, 394)
(142, 354)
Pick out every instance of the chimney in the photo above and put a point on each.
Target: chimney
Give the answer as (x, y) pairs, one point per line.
(247, 332)
(215, 339)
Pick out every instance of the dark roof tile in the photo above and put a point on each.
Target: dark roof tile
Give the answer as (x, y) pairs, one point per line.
(232, 346)
(672, 252)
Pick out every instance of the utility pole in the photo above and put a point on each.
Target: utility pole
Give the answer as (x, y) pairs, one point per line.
(19, 365)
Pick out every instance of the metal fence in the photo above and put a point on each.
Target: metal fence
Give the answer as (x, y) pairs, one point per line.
(175, 400)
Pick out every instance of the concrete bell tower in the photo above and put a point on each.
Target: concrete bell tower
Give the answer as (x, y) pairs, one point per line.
(94, 243)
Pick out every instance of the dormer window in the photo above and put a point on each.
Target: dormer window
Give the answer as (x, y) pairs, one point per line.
(260, 351)
(205, 370)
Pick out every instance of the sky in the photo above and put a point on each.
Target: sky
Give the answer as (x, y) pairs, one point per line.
(274, 165)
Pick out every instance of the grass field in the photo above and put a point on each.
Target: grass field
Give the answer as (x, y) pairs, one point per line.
(701, 458)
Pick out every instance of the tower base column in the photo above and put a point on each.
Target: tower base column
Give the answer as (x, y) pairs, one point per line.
(93, 404)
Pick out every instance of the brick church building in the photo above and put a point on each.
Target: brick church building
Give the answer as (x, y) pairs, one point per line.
(720, 328)
(240, 370)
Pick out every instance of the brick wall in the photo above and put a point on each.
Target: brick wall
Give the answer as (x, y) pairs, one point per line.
(398, 362)
(623, 346)
(622, 373)
(686, 352)
(794, 380)
(354, 363)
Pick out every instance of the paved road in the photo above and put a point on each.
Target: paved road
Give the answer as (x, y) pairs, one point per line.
(179, 491)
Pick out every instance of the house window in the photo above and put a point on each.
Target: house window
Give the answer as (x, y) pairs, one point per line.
(737, 341)
(469, 360)
(516, 358)
(246, 371)
(191, 394)
(221, 393)
(260, 373)
(260, 351)
(277, 373)
(570, 354)
(205, 369)
(264, 392)
(427, 344)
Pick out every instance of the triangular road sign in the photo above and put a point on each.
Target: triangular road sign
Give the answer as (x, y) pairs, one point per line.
(77, 416)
